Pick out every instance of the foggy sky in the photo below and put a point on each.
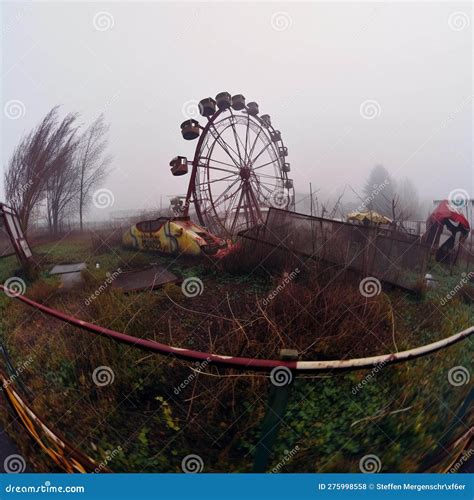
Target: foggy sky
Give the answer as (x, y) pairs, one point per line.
(309, 65)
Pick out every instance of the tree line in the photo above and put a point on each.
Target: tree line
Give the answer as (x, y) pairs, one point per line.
(398, 200)
(55, 168)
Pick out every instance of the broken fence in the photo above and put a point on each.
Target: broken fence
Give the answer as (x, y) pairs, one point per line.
(390, 256)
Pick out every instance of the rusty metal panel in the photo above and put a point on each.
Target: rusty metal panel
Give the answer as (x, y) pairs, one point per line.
(68, 268)
(148, 278)
(70, 275)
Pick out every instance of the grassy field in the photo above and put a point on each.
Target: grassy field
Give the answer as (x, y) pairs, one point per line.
(400, 414)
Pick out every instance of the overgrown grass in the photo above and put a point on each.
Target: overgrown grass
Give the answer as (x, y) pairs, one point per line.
(399, 415)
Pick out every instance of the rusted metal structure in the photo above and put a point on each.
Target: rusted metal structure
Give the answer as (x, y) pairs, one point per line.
(391, 256)
(239, 168)
(64, 454)
(10, 222)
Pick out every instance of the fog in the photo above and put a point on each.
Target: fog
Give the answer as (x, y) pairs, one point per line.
(311, 66)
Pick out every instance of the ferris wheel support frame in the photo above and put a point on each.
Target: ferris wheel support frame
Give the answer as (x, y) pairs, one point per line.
(192, 181)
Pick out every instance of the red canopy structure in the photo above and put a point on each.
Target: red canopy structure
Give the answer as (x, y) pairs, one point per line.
(445, 211)
(446, 215)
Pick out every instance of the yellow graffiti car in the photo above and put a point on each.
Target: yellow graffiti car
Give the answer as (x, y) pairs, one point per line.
(175, 235)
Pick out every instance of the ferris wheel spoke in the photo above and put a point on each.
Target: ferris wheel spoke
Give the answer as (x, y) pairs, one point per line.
(261, 152)
(208, 165)
(209, 158)
(236, 136)
(268, 183)
(266, 176)
(231, 199)
(267, 188)
(226, 200)
(216, 180)
(237, 212)
(264, 165)
(226, 211)
(227, 151)
(253, 202)
(247, 157)
(216, 201)
(225, 146)
(254, 143)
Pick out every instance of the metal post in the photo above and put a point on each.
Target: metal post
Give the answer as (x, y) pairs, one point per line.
(311, 220)
(278, 398)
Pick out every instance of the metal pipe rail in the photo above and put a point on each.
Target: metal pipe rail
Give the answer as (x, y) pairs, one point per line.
(251, 364)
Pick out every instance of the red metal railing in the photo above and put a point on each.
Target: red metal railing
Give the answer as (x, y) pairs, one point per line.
(246, 363)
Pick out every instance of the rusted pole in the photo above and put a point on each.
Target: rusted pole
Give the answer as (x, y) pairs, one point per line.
(279, 395)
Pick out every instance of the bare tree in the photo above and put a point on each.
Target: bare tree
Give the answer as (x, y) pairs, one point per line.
(62, 184)
(54, 164)
(33, 162)
(92, 163)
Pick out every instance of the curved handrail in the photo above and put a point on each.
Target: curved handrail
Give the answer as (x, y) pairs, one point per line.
(247, 363)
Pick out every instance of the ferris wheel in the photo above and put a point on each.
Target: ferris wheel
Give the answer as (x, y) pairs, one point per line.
(239, 168)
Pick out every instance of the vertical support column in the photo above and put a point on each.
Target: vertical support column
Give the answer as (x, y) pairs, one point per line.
(279, 394)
